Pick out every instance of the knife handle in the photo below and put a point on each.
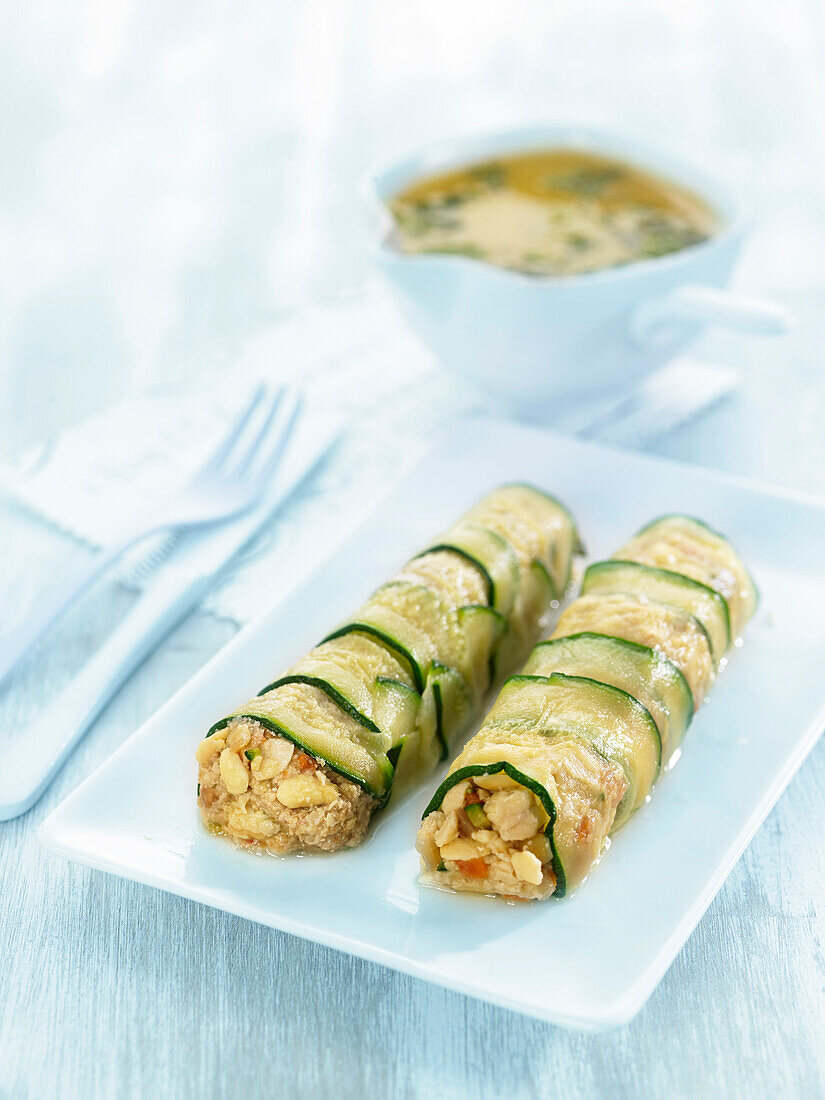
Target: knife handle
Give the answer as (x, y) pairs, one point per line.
(30, 761)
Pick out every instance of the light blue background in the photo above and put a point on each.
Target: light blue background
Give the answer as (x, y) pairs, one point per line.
(176, 177)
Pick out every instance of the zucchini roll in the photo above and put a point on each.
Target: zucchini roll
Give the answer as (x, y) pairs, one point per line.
(376, 703)
(574, 743)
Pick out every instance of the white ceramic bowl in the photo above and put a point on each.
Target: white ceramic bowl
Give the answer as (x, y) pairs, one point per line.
(536, 343)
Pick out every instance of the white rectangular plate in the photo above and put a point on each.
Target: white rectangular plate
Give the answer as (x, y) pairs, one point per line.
(588, 961)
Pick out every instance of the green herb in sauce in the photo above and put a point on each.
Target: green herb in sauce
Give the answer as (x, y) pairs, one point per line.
(490, 175)
(584, 181)
(557, 212)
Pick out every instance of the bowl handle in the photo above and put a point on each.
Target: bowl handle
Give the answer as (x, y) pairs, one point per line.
(658, 320)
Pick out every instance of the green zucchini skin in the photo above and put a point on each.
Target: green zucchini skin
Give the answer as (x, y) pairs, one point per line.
(540, 791)
(629, 703)
(553, 539)
(401, 717)
(447, 651)
(646, 674)
(453, 705)
(667, 629)
(485, 629)
(571, 708)
(668, 587)
(578, 545)
(490, 554)
(569, 701)
(350, 670)
(453, 549)
(666, 516)
(380, 792)
(329, 689)
(713, 560)
(407, 617)
(388, 640)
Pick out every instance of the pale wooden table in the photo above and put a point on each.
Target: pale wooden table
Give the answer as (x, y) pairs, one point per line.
(110, 989)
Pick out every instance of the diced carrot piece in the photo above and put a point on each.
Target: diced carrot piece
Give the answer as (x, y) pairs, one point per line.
(305, 762)
(472, 797)
(584, 829)
(472, 868)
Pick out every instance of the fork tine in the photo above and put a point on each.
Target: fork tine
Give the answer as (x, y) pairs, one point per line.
(293, 403)
(223, 450)
(252, 446)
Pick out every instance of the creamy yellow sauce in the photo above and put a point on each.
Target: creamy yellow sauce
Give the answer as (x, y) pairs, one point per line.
(554, 212)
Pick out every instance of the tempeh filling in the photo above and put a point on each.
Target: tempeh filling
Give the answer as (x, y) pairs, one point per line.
(488, 837)
(265, 793)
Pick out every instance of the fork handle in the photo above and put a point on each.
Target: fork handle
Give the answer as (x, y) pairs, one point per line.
(56, 601)
(31, 760)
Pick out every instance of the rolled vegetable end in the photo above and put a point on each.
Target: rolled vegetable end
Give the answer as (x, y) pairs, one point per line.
(265, 793)
(377, 703)
(541, 834)
(572, 747)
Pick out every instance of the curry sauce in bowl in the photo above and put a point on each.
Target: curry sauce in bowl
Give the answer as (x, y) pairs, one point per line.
(554, 212)
(549, 264)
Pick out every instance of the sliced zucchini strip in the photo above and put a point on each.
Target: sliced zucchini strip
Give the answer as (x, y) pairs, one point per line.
(381, 698)
(491, 555)
(535, 525)
(666, 587)
(675, 633)
(293, 711)
(641, 671)
(483, 628)
(615, 724)
(558, 736)
(349, 669)
(586, 726)
(691, 547)
(413, 621)
(453, 576)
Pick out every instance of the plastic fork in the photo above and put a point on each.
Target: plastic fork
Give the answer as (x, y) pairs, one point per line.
(228, 485)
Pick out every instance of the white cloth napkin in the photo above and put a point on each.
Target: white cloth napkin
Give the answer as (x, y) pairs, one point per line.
(356, 362)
